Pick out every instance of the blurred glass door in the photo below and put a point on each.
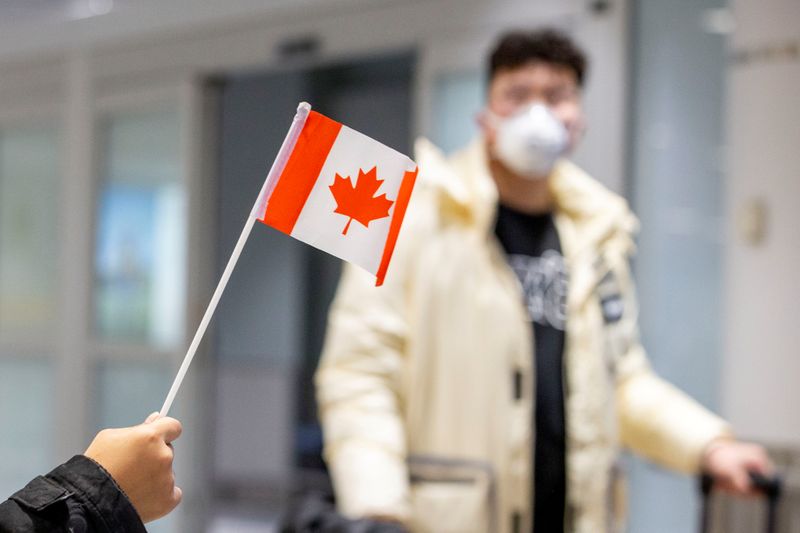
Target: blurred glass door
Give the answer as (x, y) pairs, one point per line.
(30, 184)
(140, 234)
(140, 271)
(678, 185)
(271, 321)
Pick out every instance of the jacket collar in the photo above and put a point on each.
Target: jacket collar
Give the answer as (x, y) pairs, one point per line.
(591, 220)
(464, 182)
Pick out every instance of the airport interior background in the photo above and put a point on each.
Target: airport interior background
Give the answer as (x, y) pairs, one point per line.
(136, 134)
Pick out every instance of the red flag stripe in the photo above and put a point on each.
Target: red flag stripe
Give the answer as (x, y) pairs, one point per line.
(403, 196)
(301, 172)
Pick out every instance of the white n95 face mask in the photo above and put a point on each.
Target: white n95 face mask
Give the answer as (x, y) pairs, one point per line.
(530, 141)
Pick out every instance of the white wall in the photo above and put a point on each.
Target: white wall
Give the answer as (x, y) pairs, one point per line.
(761, 385)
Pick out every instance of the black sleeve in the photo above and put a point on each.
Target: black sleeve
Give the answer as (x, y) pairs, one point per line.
(78, 497)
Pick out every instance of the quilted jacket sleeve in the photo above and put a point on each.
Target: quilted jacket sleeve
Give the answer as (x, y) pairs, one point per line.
(358, 396)
(657, 420)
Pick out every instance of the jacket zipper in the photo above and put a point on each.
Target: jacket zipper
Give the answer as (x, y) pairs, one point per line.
(516, 517)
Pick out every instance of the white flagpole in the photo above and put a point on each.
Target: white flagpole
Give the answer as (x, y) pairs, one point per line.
(266, 190)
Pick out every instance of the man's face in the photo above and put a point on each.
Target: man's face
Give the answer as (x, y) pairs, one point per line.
(553, 85)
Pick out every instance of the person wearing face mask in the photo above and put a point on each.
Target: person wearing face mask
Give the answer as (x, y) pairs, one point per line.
(490, 383)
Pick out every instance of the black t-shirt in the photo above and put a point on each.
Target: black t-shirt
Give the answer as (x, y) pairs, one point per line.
(534, 253)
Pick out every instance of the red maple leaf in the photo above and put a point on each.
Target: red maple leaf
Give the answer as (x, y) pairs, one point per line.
(359, 202)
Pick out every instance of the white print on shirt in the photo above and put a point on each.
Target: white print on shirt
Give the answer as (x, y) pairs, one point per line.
(544, 282)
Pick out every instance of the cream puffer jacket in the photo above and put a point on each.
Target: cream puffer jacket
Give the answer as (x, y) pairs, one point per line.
(425, 386)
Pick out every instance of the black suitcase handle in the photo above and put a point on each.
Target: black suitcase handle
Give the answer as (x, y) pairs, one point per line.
(770, 486)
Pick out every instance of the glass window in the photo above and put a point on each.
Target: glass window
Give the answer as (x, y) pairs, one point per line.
(140, 236)
(457, 99)
(29, 202)
(26, 419)
(126, 392)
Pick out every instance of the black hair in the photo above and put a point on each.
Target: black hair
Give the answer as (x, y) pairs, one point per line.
(548, 45)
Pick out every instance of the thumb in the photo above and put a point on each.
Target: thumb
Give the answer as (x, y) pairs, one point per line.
(152, 417)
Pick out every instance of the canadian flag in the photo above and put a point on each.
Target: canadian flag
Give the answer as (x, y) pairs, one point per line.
(326, 176)
(342, 192)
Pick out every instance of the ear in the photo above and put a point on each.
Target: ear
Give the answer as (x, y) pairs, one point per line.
(576, 132)
(487, 125)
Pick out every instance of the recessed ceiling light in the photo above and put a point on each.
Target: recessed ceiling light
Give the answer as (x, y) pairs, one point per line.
(83, 9)
(718, 21)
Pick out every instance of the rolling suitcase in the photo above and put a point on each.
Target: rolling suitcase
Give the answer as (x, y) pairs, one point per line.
(770, 487)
